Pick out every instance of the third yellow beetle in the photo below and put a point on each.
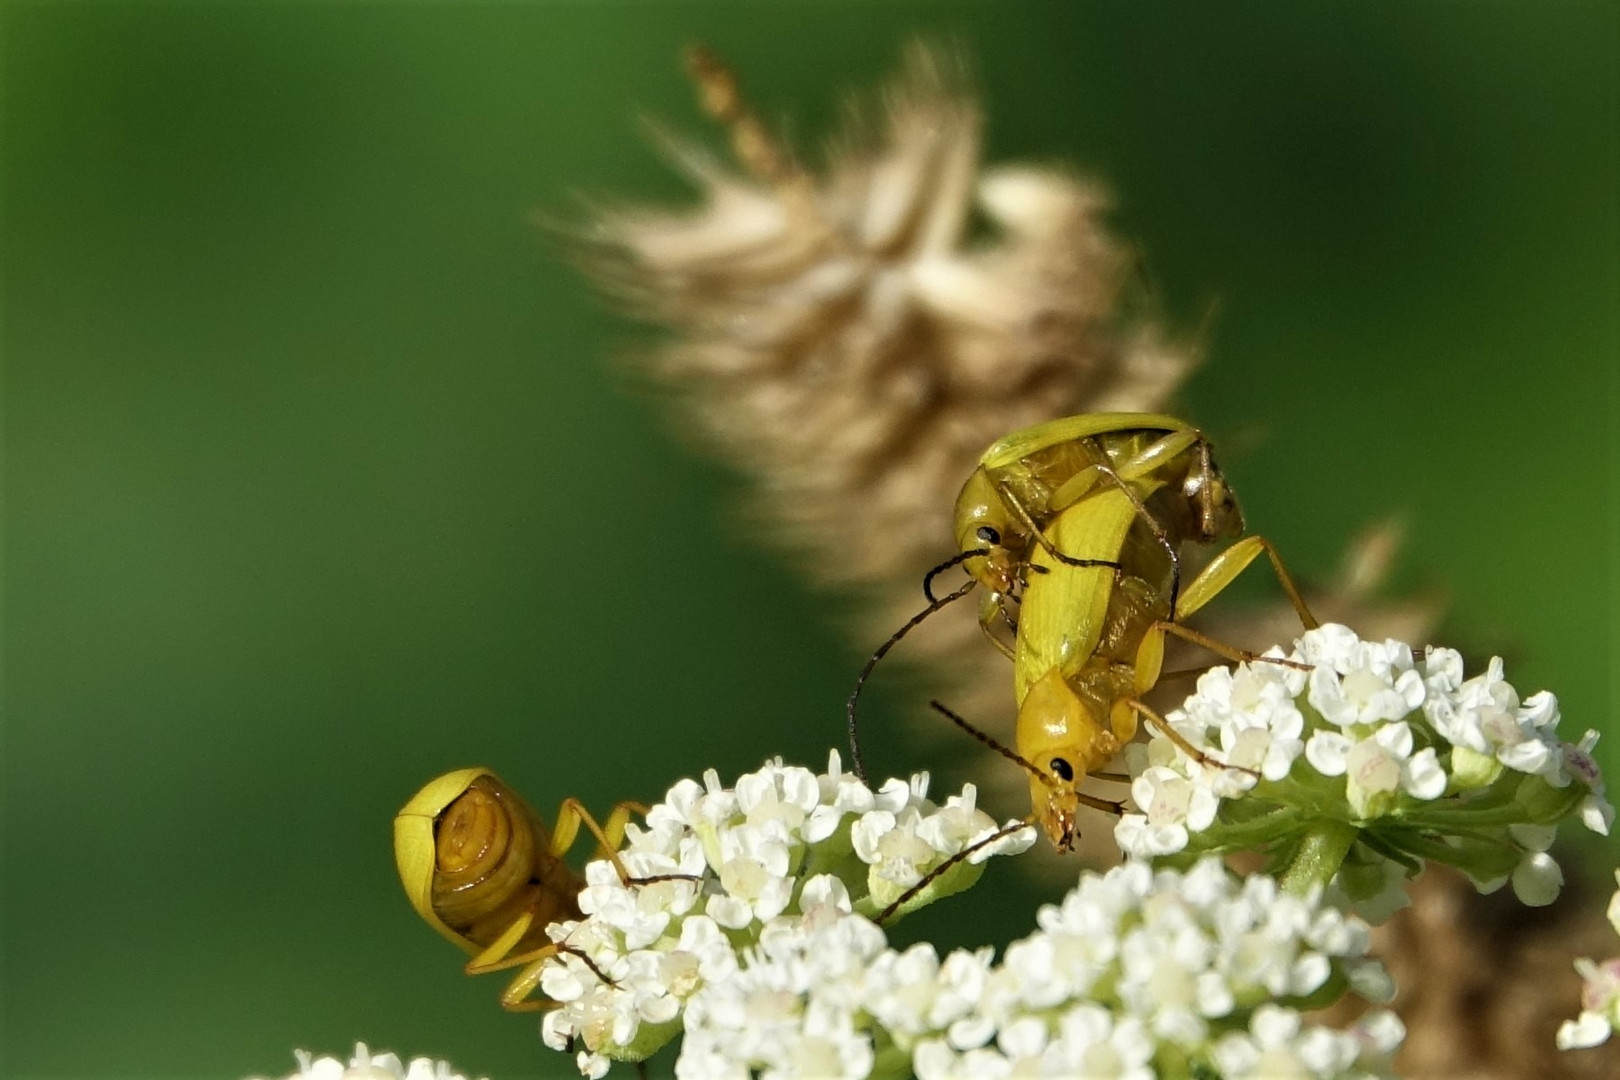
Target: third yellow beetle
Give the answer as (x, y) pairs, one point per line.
(483, 870)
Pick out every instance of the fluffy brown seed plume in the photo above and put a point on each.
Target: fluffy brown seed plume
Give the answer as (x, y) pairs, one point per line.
(853, 335)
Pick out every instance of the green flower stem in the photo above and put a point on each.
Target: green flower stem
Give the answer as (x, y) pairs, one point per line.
(1320, 854)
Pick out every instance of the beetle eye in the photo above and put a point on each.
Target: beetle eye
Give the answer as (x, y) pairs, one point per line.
(988, 535)
(1062, 769)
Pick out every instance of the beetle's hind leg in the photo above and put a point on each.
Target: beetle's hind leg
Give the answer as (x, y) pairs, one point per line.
(1224, 569)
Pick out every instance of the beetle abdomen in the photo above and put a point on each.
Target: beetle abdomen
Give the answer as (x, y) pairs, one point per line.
(493, 863)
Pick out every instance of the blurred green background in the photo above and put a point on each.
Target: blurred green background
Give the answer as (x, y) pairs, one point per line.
(316, 483)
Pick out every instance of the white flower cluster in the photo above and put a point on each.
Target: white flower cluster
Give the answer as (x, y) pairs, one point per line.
(365, 1065)
(1600, 995)
(1136, 975)
(746, 860)
(1419, 762)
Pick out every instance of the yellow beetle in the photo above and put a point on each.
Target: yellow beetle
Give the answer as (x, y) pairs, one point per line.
(1082, 522)
(481, 868)
(1101, 508)
(1024, 481)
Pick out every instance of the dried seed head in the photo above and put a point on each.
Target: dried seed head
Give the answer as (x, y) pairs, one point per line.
(855, 335)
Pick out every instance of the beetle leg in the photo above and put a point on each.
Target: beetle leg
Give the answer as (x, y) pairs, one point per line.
(498, 957)
(1028, 522)
(609, 838)
(572, 813)
(1182, 743)
(495, 954)
(1159, 534)
(1158, 452)
(994, 607)
(515, 998)
(1224, 569)
(1112, 777)
(990, 633)
(1150, 653)
(1107, 806)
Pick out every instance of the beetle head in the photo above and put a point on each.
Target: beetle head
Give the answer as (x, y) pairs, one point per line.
(984, 524)
(1055, 808)
(1063, 738)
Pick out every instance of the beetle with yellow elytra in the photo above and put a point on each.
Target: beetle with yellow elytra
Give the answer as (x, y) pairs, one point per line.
(483, 870)
(1081, 524)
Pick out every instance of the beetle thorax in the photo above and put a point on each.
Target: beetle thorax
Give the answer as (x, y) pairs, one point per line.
(1059, 718)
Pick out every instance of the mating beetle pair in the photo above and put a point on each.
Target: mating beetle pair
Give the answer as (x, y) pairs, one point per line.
(1076, 530)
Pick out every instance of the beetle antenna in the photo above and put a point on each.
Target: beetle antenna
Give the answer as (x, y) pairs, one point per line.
(959, 557)
(1005, 751)
(654, 879)
(934, 874)
(588, 962)
(882, 651)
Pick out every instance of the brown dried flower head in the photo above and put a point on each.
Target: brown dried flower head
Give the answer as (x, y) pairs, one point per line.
(854, 336)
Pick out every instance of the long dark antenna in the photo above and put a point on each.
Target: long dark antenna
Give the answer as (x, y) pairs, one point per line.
(933, 875)
(1005, 751)
(882, 651)
(588, 962)
(959, 557)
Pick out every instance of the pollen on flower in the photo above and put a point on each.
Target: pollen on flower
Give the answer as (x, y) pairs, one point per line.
(1396, 746)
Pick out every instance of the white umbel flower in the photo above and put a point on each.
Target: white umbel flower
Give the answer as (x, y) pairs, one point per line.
(1135, 975)
(1136, 972)
(1394, 751)
(779, 860)
(365, 1065)
(1139, 974)
(792, 1009)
